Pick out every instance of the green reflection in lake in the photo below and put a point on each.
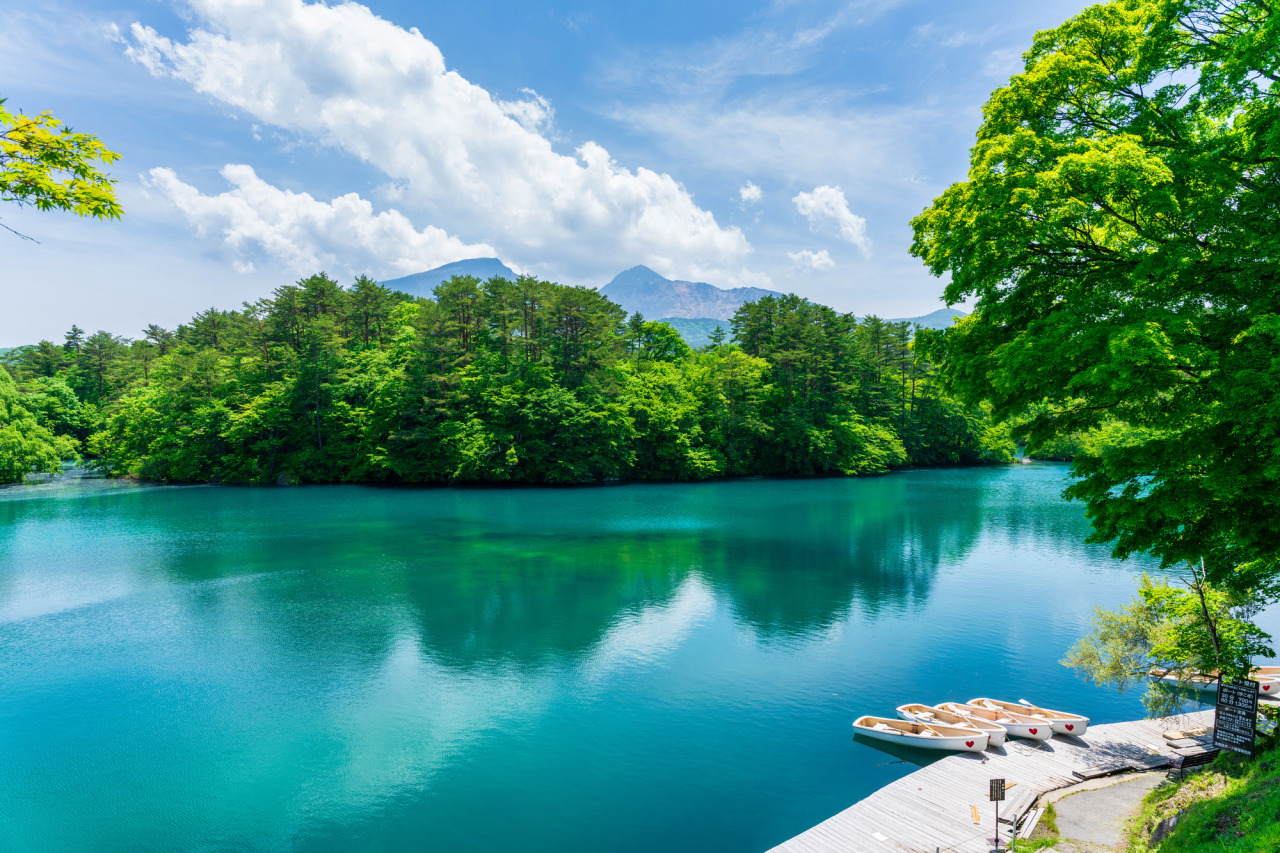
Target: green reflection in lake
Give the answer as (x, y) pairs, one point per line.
(627, 668)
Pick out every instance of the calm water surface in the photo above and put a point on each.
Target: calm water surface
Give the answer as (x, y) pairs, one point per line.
(641, 667)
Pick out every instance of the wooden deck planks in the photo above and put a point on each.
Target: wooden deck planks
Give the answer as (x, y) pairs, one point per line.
(930, 808)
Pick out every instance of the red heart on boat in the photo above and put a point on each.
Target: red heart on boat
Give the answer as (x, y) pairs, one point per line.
(1070, 727)
(1033, 731)
(1266, 687)
(968, 743)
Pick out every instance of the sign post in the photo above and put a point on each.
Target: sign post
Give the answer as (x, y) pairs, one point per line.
(1236, 716)
(996, 794)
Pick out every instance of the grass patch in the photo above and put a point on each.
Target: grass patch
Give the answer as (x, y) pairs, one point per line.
(1049, 820)
(1233, 806)
(1045, 834)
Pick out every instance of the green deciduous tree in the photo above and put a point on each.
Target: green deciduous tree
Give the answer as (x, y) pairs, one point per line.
(26, 445)
(58, 408)
(1180, 631)
(1118, 235)
(48, 165)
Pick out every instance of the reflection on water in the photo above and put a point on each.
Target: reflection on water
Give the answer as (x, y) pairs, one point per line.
(634, 667)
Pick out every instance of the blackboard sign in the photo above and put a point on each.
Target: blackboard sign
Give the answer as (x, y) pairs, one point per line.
(997, 790)
(1236, 716)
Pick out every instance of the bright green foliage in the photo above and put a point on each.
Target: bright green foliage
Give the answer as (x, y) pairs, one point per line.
(97, 368)
(498, 381)
(661, 342)
(1171, 629)
(1118, 234)
(1095, 442)
(26, 446)
(56, 406)
(730, 385)
(848, 397)
(665, 412)
(173, 428)
(53, 167)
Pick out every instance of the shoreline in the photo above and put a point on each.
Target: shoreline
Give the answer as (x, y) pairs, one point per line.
(93, 474)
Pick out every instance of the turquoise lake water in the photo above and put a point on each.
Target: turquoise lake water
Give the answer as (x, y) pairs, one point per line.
(638, 667)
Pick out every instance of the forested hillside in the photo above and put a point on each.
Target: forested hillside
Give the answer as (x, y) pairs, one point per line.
(497, 381)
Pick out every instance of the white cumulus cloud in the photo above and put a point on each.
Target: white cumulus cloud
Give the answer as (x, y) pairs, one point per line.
(340, 75)
(750, 194)
(829, 203)
(534, 112)
(812, 260)
(308, 235)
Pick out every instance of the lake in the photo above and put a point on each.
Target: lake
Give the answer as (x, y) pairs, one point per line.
(633, 667)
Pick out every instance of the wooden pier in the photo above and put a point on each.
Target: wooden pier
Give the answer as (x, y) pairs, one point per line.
(944, 806)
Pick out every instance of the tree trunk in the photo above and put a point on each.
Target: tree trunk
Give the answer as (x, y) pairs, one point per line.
(1204, 609)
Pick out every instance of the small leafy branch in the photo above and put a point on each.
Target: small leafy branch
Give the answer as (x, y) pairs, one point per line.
(50, 166)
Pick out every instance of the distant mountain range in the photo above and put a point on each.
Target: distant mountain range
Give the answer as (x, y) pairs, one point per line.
(694, 308)
(641, 289)
(422, 283)
(697, 332)
(940, 319)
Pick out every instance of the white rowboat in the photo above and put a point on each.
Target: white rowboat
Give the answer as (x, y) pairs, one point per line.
(1195, 681)
(1060, 721)
(1266, 677)
(1017, 725)
(925, 714)
(923, 735)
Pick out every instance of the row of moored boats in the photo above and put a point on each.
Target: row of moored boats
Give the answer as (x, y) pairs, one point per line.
(970, 726)
(1266, 677)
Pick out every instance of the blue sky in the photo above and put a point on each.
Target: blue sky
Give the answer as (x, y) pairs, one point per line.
(785, 144)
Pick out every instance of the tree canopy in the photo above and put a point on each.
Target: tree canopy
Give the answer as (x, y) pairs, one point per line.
(26, 444)
(521, 381)
(1172, 631)
(47, 164)
(1117, 234)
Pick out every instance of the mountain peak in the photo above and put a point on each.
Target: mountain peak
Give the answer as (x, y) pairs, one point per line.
(638, 275)
(659, 298)
(423, 283)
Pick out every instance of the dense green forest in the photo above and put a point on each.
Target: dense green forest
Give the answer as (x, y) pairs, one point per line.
(497, 381)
